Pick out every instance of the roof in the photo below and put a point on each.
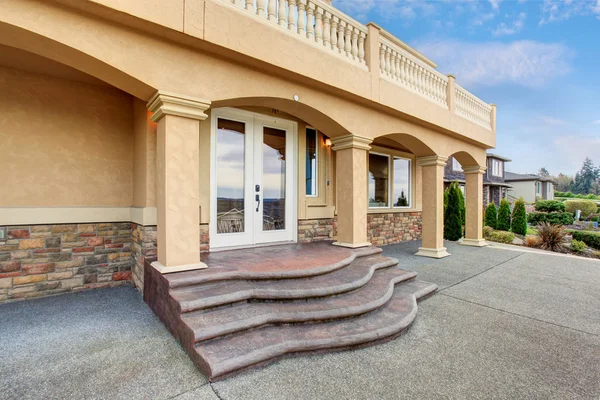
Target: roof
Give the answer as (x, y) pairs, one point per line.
(492, 155)
(511, 176)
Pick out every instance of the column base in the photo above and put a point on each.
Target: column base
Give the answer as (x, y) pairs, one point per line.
(179, 268)
(352, 245)
(473, 242)
(432, 253)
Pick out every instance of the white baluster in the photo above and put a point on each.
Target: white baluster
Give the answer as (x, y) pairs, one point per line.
(334, 27)
(272, 10)
(382, 58)
(311, 23)
(419, 78)
(397, 58)
(340, 37)
(388, 63)
(250, 6)
(411, 73)
(292, 15)
(361, 47)
(281, 13)
(348, 41)
(393, 64)
(301, 17)
(327, 29)
(261, 6)
(355, 33)
(239, 3)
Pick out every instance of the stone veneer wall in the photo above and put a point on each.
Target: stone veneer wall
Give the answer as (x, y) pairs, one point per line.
(314, 230)
(144, 248)
(388, 228)
(40, 260)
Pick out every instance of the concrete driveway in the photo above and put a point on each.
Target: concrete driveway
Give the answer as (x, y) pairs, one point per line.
(505, 325)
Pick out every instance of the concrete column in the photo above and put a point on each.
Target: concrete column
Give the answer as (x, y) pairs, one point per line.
(451, 93)
(433, 207)
(178, 189)
(351, 171)
(372, 57)
(474, 206)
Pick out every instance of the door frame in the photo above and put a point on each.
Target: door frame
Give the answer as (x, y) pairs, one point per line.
(252, 122)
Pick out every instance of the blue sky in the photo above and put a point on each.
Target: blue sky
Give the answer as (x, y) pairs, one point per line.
(538, 60)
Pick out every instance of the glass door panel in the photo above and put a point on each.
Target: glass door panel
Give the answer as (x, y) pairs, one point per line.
(273, 179)
(230, 160)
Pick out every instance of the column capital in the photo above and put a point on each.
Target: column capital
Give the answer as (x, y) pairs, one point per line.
(167, 103)
(476, 169)
(432, 160)
(351, 142)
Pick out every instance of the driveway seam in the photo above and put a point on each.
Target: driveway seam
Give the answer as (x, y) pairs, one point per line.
(187, 391)
(215, 391)
(521, 315)
(479, 273)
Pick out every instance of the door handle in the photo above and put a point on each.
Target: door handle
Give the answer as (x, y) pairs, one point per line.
(257, 201)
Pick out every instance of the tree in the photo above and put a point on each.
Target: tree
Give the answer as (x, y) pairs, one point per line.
(453, 214)
(503, 223)
(402, 200)
(543, 172)
(519, 217)
(491, 215)
(586, 176)
(564, 183)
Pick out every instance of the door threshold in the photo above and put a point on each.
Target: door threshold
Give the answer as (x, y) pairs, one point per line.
(251, 246)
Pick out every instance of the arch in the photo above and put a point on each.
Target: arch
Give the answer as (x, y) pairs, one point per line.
(465, 159)
(412, 143)
(34, 43)
(310, 115)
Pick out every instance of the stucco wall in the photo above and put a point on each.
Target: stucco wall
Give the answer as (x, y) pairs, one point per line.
(64, 143)
(525, 189)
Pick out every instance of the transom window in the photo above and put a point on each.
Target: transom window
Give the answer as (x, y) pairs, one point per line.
(497, 168)
(389, 181)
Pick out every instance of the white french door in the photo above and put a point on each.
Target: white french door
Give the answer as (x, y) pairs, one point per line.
(253, 185)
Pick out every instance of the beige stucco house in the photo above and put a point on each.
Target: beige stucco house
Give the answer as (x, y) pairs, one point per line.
(530, 187)
(135, 129)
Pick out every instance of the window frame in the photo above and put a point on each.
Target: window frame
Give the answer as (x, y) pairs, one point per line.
(392, 153)
(389, 187)
(500, 164)
(315, 184)
(456, 166)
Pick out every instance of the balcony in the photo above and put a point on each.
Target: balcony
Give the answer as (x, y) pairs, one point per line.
(370, 49)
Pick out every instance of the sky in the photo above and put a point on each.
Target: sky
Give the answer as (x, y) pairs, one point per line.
(537, 60)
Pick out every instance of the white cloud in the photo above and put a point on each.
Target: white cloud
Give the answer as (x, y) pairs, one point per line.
(596, 122)
(560, 10)
(515, 26)
(527, 63)
(548, 120)
(495, 4)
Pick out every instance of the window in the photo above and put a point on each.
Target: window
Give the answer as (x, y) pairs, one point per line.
(379, 170)
(311, 161)
(389, 181)
(401, 182)
(497, 168)
(538, 188)
(456, 165)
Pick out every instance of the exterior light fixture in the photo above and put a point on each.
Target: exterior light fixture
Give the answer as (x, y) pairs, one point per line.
(328, 142)
(296, 98)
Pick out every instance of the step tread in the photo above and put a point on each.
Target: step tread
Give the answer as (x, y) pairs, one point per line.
(281, 262)
(355, 275)
(213, 323)
(231, 353)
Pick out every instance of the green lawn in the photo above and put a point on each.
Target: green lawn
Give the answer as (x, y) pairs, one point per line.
(531, 231)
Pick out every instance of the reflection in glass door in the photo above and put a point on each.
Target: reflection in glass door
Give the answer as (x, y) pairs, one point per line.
(273, 179)
(252, 179)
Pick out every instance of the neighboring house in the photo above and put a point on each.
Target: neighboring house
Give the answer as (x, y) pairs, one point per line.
(137, 134)
(530, 187)
(494, 184)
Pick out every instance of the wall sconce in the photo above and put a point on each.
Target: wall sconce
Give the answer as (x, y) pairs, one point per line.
(328, 142)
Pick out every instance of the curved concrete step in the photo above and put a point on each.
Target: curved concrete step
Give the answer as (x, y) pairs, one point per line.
(223, 321)
(223, 356)
(281, 262)
(355, 275)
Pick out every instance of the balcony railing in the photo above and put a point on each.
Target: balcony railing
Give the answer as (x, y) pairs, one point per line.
(335, 32)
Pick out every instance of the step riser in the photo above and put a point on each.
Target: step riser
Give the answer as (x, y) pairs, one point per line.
(266, 356)
(266, 294)
(301, 317)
